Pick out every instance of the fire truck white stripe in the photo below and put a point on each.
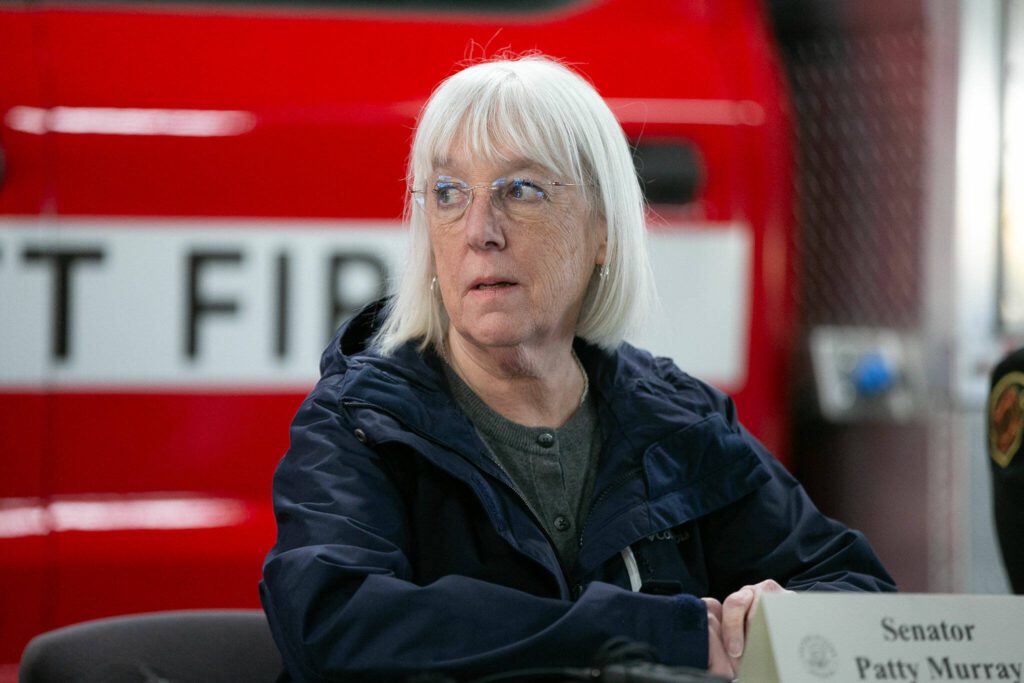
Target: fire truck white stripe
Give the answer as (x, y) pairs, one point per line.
(147, 286)
(117, 121)
(32, 517)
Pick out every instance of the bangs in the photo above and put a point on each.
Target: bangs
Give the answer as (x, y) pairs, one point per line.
(499, 121)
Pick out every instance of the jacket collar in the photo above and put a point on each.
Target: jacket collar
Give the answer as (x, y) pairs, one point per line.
(409, 384)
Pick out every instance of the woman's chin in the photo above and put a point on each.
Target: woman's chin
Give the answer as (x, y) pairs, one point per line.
(497, 331)
(497, 339)
(504, 330)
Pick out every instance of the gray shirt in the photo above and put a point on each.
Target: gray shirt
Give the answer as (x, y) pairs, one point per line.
(551, 468)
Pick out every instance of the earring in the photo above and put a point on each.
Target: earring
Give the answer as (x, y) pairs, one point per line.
(603, 272)
(433, 285)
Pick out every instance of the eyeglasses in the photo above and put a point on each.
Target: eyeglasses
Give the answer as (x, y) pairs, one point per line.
(518, 198)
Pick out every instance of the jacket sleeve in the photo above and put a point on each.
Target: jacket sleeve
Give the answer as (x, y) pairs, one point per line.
(777, 532)
(338, 590)
(774, 532)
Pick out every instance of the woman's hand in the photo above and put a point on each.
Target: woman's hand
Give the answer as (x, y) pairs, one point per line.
(718, 660)
(737, 612)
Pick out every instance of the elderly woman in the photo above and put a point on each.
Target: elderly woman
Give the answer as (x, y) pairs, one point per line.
(486, 476)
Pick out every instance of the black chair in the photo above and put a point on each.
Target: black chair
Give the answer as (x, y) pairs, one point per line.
(161, 647)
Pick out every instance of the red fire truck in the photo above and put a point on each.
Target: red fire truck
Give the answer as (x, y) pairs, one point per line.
(194, 195)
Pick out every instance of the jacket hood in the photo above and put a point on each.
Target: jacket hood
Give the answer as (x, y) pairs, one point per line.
(351, 354)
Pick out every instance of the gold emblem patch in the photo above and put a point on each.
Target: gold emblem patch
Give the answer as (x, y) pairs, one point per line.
(1006, 418)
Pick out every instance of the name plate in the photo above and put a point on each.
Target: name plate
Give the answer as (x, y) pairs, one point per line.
(839, 637)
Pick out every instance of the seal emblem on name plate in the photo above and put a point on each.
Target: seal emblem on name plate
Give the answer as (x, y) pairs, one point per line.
(819, 656)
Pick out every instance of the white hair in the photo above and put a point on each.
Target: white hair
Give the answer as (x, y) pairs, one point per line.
(535, 108)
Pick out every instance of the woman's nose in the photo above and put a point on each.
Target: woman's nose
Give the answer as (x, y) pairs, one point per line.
(484, 228)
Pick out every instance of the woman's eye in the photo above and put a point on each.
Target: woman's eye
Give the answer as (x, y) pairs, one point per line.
(523, 190)
(447, 194)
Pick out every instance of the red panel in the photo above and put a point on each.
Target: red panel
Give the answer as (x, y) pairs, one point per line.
(27, 572)
(218, 443)
(23, 177)
(328, 119)
(107, 573)
(223, 446)
(25, 560)
(23, 428)
(116, 447)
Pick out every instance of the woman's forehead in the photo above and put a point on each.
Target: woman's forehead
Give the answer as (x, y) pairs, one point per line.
(462, 157)
(459, 164)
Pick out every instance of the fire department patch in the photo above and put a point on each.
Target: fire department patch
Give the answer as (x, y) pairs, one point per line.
(1006, 418)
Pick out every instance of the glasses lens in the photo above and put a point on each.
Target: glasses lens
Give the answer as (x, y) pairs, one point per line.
(521, 197)
(449, 197)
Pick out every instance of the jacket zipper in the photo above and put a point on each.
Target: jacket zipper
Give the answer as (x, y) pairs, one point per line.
(622, 479)
(577, 587)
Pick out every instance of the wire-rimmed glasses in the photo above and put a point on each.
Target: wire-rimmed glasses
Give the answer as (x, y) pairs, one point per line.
(447, 198)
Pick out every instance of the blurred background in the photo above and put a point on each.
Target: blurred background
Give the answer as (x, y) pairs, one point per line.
(193, 195)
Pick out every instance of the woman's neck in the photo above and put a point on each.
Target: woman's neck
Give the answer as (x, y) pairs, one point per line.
(535, 387)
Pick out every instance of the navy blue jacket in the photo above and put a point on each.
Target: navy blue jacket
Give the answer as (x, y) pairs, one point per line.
(402, 547)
